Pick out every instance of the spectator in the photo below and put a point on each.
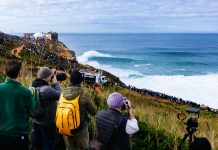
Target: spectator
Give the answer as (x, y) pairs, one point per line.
(44, 127)
(113, 128)
(86, 105)
(16, 106)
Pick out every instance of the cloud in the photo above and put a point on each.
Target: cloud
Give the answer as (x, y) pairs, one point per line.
(92, 14)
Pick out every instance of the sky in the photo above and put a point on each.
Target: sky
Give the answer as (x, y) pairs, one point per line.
(109, 16)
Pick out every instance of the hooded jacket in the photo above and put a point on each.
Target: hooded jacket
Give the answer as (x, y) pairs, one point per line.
(49, 95)
(86, 104)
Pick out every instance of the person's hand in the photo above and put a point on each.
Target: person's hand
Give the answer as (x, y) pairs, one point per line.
(131, 114)
(54, 79)
(128, 103)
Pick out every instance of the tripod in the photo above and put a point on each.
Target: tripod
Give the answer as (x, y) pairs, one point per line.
(189, 133)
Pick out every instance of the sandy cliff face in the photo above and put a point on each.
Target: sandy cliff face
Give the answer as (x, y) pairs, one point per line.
(65, 52)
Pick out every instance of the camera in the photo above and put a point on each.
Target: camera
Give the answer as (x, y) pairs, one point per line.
(124, 104)
(192, 123)
(60, 76)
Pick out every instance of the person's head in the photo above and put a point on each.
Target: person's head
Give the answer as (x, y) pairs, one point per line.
(45, 73)
(115, 100)
(13, 68)
(76, 78)
(200, 144)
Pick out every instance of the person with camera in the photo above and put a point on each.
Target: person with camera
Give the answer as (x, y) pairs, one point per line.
(114, 128)
(44, 127)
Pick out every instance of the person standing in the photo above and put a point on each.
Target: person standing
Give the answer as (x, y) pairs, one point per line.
(113, 128)
(44, 127)
(16, 105)
(86, 105)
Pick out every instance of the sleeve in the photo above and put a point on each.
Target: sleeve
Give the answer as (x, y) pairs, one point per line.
(132, 126)
(92, 110)
(30, 103)
(52, 92)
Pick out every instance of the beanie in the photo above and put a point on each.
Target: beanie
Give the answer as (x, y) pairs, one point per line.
(76, 77)
(115, 100)
(44, 72)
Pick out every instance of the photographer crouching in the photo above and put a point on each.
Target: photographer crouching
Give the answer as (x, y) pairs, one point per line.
(114, 128)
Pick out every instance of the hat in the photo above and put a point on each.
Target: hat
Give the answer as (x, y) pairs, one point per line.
(44, 72)
(115, 100)
(76, 77)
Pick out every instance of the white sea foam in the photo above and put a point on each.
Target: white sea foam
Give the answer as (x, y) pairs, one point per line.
(201, 89)
(141, 65)
(181, 69)
(85, 56)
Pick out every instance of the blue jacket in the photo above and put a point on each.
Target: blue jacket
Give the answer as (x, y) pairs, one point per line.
(49, 95)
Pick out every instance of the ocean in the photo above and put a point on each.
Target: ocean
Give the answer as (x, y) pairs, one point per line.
(184, 65)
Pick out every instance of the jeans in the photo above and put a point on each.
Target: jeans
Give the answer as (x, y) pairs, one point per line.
(14, 143)
(44, 136)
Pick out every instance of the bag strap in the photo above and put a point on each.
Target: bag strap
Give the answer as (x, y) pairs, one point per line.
(37, 95)
(116, 130)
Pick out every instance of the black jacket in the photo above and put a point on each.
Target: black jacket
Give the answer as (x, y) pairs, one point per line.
(106, 123)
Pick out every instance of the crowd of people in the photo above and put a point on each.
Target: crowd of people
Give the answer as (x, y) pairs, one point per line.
(19, 104)
(170, 98)
(36, 47)
(48, 56)
(5, 38)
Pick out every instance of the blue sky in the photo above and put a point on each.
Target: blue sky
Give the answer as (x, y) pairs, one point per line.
(109, 16)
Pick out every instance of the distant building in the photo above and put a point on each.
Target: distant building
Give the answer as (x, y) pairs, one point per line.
(28, 35)
(39, 35)
(53, 36)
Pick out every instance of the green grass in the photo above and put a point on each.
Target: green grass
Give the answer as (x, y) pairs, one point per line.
(159, 127)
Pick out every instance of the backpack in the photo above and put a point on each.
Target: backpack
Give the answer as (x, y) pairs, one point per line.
(68, 116)
(38, 111)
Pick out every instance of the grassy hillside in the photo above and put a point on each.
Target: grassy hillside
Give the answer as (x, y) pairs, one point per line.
(159, 126)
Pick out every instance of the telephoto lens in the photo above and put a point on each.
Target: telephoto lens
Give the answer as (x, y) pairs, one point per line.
(61, 76)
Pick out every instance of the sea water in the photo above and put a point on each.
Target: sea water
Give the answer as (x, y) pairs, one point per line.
(184, 65)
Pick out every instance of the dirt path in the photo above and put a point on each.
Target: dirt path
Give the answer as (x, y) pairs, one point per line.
(16, 51)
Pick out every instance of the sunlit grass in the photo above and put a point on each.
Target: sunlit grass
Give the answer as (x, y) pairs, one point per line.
(158, 115)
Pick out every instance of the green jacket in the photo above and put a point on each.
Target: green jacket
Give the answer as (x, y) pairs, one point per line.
(86, 104)
(16, 104)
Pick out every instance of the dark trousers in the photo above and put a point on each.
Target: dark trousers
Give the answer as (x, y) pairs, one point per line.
(14, 143)
(44, 136)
